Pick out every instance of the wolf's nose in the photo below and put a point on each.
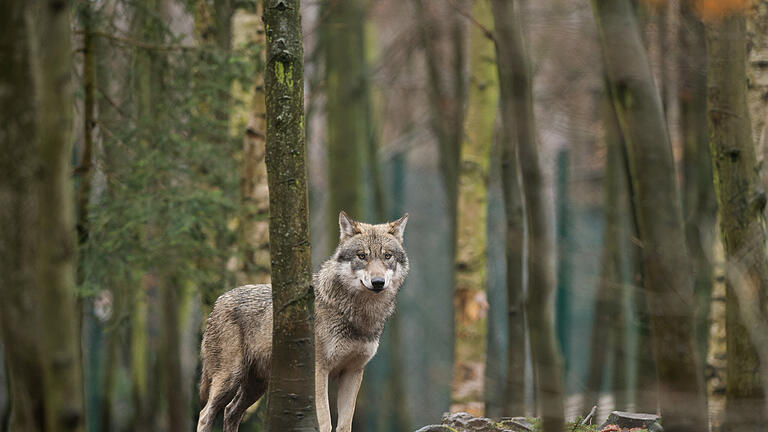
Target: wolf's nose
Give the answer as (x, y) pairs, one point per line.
(377, 283)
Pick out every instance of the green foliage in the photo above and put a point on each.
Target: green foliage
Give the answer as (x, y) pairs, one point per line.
(166, 181)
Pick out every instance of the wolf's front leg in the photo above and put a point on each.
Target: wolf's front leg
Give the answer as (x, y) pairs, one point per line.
(321, 399)
(349, 384)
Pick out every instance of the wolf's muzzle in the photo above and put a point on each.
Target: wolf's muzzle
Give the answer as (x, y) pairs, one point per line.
(377, 284)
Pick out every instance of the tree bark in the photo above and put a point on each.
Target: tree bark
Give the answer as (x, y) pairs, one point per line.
(469, 298)
(563, 253)
(178, 418)
(347, 108)
(253, 187)
(396, 383)
(646, 394)
(56, 243)
(741, 199)
(699, 204)
(39, 322)
(89, 122)
(546, 356)
(514, 386)
(146, 28)
(291, 395)
(757, 75)
(668, 280)
(18, 314)
(608, 321)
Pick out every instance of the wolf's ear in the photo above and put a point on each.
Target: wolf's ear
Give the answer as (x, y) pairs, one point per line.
(347, 227)
(397, 227)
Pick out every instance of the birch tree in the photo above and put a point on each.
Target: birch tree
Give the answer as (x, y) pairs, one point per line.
(741, 199)
(470, 300)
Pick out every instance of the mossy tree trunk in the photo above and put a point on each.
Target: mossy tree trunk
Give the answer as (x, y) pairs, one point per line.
(699, 203)
(741, 200)
(291, 395)
(667, 272)
(55, 237)
(18, 319)
(347, 109)
(469, 298)
(146, 83)
(540, 303)
(514, 386)
(39, 325)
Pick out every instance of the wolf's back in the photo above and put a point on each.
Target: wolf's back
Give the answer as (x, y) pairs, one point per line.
(238, 334)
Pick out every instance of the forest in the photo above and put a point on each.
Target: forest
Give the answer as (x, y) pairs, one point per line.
(583, 181)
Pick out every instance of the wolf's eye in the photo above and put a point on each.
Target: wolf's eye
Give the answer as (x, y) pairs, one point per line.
(361, 255)
(387, 255)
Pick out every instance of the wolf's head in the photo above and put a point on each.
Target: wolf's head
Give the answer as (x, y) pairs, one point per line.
(371, 257)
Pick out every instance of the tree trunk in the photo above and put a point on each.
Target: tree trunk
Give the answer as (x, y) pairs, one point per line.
(608, 325)
(447, 95)
(89, 122)
(56, 244)
(563, 253)
(176, 397)
(396, 383)
(18, 314)
(667, 276)
(741, 198)
(347, 94)
(699, 205)
(254, 190)
(615, 173)
(146, 28)
(514, 387)
(757, 75)
(646, 394)
(546, 356)
(291, 396)
(469, 298)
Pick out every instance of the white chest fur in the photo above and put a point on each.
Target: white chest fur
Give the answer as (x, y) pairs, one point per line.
(340, 354)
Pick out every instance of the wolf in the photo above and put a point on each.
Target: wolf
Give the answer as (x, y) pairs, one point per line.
(355, 293)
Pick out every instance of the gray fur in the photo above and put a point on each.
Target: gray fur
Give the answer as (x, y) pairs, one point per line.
(349, 319)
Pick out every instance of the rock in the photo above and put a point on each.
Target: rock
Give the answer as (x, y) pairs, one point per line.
(456, 420)
(436, 428)
(517, 424)
(634, 420)
(465, 422)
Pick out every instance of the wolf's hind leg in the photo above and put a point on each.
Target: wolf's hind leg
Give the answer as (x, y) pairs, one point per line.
(246, 395)
(219, 393)
(349, 384)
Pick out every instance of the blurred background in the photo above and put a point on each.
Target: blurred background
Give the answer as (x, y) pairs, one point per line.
(172, 199)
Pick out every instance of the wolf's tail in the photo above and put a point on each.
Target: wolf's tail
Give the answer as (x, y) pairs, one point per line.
(205, 385)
